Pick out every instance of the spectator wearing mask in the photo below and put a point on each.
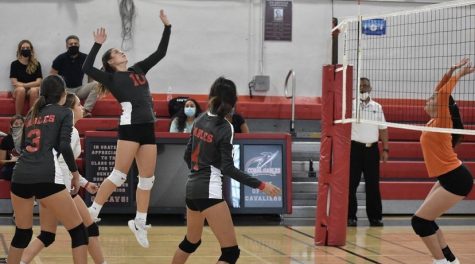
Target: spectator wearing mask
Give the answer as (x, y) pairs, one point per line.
(25, 75)
(184, 119)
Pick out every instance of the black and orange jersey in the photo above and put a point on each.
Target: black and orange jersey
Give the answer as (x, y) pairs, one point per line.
(130, 87)
(209, 157)
(45, 137)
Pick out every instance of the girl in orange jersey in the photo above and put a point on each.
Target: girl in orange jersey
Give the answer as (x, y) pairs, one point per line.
(454, 180)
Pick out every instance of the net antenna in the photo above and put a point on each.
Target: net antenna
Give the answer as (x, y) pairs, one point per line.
(404, 55)
(127, 16)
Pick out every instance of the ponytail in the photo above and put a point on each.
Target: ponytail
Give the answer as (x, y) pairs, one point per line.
(220, 108)
(51, 90)
(35, 109)
(222, 97)
(456, 121)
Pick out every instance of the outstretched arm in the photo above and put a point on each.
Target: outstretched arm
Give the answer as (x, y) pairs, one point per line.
(161, 51)
(449, 73)
(100, 37)
(468, 69)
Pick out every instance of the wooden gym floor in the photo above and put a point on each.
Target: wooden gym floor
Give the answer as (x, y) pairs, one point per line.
(264, 244)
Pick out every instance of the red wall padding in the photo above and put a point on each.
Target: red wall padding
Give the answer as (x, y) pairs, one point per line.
(333, 181)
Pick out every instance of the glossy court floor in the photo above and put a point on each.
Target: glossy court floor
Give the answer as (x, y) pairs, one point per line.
(268, 243)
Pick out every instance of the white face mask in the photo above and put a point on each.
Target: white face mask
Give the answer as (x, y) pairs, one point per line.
(364, 96)
(17, 133)
(190, 111)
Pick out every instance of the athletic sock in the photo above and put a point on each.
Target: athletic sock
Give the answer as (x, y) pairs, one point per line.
(448, 254)
(95, 209)
(142, 217)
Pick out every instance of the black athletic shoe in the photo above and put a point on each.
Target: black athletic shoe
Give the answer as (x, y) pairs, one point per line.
(375, 223)
(352, 222)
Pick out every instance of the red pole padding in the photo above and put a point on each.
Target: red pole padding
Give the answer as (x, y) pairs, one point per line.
(333, 180)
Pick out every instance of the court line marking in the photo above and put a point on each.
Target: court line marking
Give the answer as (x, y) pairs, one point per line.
(271, 248)
(323, 249)
(207, 230)
(38, 260)
(340, 248)
(397, 244)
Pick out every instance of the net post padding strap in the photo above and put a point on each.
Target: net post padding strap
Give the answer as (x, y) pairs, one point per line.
(333, 181)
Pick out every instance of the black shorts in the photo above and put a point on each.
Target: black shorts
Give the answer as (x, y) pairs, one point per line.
(38, 190)
(458, 181)
(201, 204)
(143, 134)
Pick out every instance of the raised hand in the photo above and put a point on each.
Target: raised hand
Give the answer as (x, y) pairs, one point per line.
(164, 18)
(100, 35)
(467, 70)
(271, 190)
(462, 63)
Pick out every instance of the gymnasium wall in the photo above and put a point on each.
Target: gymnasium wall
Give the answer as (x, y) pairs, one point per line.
(209, 38)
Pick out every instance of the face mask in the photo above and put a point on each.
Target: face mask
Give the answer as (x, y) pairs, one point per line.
(73, 50)
(25, 53)
(364, 96)
(16, 135)
(190, 111)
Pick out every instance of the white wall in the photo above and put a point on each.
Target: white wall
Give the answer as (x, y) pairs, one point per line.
(209, 38)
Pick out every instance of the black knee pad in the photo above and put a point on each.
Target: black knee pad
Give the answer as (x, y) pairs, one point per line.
(422, 227)
(22, 237)
(93, 230)
(189, 247)
(46, 237)
(230, 254)
(436, 227)
(78, 236)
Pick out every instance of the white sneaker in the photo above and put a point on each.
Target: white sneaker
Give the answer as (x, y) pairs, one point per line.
(140, 231)
(440, 261)
(456, 261)
(94, 218)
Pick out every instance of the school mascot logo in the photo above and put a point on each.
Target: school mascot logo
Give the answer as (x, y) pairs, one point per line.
(262, 165)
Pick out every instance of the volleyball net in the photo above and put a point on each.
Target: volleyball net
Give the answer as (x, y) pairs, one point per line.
(410, 61)
(406, 56)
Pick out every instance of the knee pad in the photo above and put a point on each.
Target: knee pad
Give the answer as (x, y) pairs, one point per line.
(117, 178)
(189, 247)
(436, 227)
(146, 184)
(46, 237)
(422, 227)
(230, 254)
(93, 230)
(22, 237)
(78, 236)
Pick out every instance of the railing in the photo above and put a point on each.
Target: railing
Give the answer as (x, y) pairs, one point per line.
(294, 84)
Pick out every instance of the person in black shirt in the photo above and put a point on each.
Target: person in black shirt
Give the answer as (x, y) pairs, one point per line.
(136, 130)
(47, 129)
(238, 122)
(209, 157)
(10, 147)
(69, 66)
(25, 75)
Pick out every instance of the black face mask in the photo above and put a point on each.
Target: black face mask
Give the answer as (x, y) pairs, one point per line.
(73, 50)
(25, 53)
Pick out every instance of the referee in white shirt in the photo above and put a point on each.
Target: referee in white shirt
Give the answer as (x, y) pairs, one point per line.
(364, 157)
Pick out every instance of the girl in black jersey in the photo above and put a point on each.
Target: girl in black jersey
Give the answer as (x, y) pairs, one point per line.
(48, 222)
(137, 130)
(37, 174)
(209, 157)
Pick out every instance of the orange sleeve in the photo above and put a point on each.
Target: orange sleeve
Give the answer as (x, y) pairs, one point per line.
(443, 112)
